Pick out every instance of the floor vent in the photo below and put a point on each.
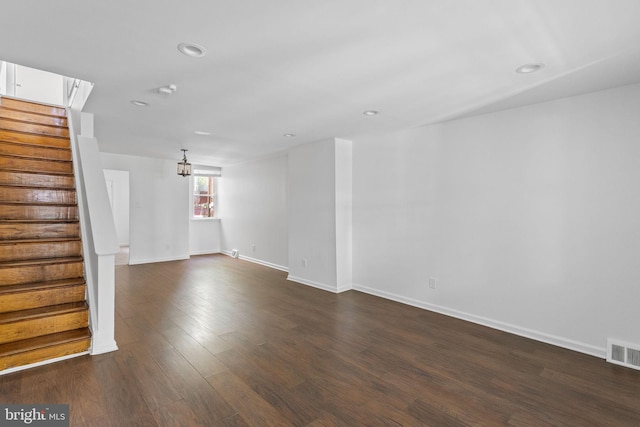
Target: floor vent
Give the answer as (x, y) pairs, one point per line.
(622, 353)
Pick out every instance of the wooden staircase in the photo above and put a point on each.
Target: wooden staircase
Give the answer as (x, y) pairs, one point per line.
(43, 312)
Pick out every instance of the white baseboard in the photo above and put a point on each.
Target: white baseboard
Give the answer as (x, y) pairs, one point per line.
(506, 327)
(345, 288)
(152, 260)
(313, 284)
(259, 261)
(205, 252)
(103, 347)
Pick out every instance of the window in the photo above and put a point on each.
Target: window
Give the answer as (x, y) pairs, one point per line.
(203, 196)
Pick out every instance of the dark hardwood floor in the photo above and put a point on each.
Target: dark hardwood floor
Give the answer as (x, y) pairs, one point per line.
(217, 341)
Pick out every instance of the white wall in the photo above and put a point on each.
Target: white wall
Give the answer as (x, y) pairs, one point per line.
(204, 236)
(159, 222)
(252, 205)
(312, 214)
(38, 85)
(528, 218)
(118, 189)
(344, 208)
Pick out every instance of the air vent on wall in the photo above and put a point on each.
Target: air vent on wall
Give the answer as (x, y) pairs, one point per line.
(624, 354)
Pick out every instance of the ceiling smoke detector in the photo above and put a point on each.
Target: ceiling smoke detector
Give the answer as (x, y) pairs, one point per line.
(167, 90)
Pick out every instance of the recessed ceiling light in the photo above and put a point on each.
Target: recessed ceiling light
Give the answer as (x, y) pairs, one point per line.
(202, 132)
(529, 68)
(289, 135)
(192, 49)
(139, 103)
(371, 113)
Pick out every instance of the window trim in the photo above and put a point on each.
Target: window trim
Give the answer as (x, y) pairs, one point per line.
(214, 198)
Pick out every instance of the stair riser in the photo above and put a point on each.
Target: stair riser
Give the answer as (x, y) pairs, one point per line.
(33, 128)
(41, 298)
(32, 165)
(17, 104)
(28, 212)
(9, 231)
(30, 328)
(30, 139)
(46, 353)
(26, 251)
(36, 180)
(40, 273)
(23, 150)
(37, 195)
(25, 116)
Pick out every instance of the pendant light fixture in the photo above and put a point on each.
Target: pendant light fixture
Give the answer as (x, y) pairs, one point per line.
(184, 167)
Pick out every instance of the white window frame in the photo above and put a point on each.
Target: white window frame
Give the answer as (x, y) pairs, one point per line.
(215, 174)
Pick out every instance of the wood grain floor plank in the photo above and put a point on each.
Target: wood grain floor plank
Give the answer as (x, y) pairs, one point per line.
(177, 414)
(83, 392)
(124, 399)
(249, 404)
(206, 403)
(156, 390)
(206, 363)
(220, 341)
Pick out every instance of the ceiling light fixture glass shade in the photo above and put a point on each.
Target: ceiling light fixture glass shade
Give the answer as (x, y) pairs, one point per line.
(529, 68)
(139, 103)
(192, 49)
(370, 113)
(289, 135)
(184, 167)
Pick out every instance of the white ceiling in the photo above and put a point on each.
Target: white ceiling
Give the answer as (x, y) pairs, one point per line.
(312, 67)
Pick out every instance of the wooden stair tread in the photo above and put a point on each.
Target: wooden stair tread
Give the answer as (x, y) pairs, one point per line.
(34, 313)
(31, 106)
(33, 179)
(38, 195)
(32, 117)
(14, 230)
(29, 152)
(44, 341)
(36, 173)
(36, 187)
(34, 128)
(49, 141)
(41, 160)
(39, 221)
(43, 211)
(34, 151)
(52, 173)
(33, 295)
(17, 203)
(40, 261)
(43, 240)
(28, 287)
(48, 166)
